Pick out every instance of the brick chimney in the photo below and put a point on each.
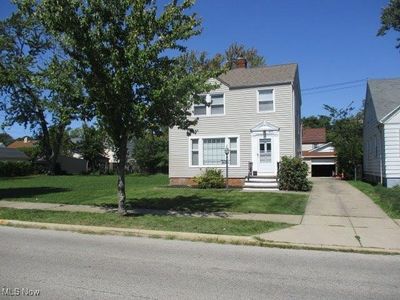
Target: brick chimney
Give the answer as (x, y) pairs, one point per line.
(240, 63)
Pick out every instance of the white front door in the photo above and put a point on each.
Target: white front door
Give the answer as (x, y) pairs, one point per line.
(265, 155)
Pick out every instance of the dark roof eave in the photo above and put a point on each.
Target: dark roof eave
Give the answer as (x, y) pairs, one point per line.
(257, 85)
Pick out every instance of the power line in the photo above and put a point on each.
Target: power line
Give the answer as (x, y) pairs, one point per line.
(334, 84)
(331, 90)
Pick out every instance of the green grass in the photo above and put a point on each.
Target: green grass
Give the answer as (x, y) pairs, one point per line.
(166, 223)
(150, 192)
(387, 198)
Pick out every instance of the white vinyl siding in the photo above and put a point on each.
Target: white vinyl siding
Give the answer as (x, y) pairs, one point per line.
(241, 114)
(265, 100)
(371, 136)
(392, 149)
(382, 146)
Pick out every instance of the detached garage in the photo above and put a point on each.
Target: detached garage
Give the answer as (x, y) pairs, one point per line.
(317, 153)
(321, 161)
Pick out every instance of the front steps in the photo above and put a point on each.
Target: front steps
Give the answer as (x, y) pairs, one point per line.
(261, 183)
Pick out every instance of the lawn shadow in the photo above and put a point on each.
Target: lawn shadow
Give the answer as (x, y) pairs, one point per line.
(29, 192)
(187, 204)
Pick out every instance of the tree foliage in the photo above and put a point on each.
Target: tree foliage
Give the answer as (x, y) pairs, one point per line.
(390, 19)
(38, 87)
(346, 136)
(320, 121)
(150, 153)
(128, 55)
(6, 139)
(89, 141)
(226, 60)
(236, 51)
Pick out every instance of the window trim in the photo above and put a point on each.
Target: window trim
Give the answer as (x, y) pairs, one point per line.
(208, 106)
(200, 150)
(258, 100)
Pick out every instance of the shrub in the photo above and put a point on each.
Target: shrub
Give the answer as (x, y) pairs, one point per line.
(292, 174)
(210, 179)
(15, 168)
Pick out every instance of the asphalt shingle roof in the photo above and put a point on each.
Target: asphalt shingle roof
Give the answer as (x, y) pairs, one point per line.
(22, 144)
(249, 77)
(314, 136)
(12, 154)
(385, 95)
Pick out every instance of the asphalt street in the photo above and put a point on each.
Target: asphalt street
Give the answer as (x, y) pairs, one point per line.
(65, 265)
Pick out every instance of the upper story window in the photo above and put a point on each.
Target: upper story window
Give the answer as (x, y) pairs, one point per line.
(217, 104)
(214, 104)
(265, 100)
(200, 109)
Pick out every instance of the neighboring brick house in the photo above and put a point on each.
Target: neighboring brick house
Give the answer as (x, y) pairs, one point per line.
(317, 153)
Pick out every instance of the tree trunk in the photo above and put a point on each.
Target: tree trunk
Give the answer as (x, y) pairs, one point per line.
(45, 136)
(121, 155)
(56, 147)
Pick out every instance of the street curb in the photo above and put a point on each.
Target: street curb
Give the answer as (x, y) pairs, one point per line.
(188, 236)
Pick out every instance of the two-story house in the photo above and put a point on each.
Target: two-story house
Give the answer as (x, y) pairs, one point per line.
(255, 113)
(381, 132)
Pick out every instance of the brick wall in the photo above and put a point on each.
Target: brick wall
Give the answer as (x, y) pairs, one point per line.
(185, 181)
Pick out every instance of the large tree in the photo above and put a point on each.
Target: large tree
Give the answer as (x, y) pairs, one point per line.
(38, 87)
(151, 152)
(346, 136)
(5, 138)
(227, 59)
(236, 51)
(390, 19)
(316, 122)
(90, 142)
(128, 54)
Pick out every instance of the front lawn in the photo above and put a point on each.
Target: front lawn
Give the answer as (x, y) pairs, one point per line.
(387, 198)
(145, 192)
(167, 223)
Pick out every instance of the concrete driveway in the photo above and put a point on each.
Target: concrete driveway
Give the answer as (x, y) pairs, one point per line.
(340, 215)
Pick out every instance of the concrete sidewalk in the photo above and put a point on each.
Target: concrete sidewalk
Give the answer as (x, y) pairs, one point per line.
(289, 219)
(338, 214)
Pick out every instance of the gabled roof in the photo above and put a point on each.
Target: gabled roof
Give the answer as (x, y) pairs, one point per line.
(264, 126)
(314, 135)
(385, 95)
(317, 152)
(12, 154)
(252, 77)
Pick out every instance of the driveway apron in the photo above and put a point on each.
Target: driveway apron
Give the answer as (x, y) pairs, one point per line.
(338, 214)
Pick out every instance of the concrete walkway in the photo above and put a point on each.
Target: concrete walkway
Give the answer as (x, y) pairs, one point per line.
(289, 219)
(338, 214)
